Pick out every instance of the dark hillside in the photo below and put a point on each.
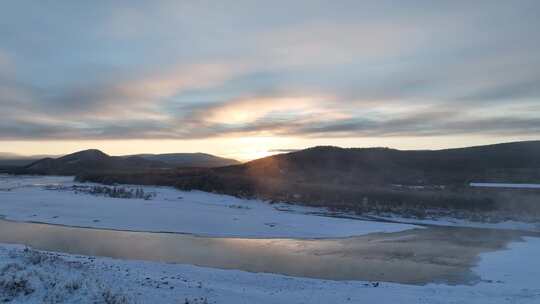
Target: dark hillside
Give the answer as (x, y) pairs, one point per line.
(382, 166)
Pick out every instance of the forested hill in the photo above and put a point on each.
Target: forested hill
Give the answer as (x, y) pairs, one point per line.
(517, 162)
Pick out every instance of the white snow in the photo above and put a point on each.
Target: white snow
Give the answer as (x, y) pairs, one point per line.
(508, 276)
(23, 198)
(454, 222)
(506, 185)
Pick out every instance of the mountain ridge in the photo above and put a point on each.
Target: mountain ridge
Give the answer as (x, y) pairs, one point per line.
(88, 160)
(386, 166)
(96, 160)
(197, 159)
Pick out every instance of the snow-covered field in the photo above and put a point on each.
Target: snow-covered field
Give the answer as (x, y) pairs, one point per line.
(454, 222)
(28, 276)
(24, 198)
(506, 185)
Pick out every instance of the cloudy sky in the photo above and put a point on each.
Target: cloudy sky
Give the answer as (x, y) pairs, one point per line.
(247, 78)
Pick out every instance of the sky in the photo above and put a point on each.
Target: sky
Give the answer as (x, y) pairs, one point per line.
(246, 79)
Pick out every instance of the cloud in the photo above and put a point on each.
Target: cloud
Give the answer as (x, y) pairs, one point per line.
(172, 70)
(425, 124)
(5, 62)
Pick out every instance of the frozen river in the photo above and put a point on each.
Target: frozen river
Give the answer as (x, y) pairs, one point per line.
(416, 256)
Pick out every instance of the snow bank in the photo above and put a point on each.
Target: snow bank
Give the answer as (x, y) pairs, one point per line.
(505, 185)
(453, 222)
(29, 276)
(26, 199)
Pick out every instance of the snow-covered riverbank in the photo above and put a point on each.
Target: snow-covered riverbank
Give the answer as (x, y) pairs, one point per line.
(24, 198)
(454, 222)
(28, 276)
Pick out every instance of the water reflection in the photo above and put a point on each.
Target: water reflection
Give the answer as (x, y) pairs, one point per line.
(399, 257)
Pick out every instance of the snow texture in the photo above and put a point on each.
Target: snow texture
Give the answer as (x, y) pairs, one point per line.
(454, 222)
(506, 185)
(25, 198)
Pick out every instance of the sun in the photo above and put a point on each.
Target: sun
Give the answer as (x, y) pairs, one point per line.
(250, 148)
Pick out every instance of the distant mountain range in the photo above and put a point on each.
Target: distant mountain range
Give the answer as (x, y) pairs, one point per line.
(15, 160)
(508, 162)
(201, 160)
(96, 161)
